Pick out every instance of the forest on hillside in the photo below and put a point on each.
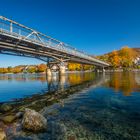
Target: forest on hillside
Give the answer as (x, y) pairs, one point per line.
(124, 58)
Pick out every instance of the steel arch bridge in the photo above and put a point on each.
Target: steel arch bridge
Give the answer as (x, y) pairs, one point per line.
(17, 39)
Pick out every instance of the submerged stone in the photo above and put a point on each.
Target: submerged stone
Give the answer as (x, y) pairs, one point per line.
(5, 108)
(8, 119)
(19, 115)
(33, 121)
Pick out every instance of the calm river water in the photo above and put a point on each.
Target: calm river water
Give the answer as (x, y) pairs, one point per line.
(107, 108)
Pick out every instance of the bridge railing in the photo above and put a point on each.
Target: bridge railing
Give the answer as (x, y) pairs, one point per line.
(22, 32)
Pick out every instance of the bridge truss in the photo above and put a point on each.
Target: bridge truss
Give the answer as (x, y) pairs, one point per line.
(17, 39)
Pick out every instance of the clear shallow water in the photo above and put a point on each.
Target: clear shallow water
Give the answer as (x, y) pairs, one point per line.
(14, 86)
(107, 110)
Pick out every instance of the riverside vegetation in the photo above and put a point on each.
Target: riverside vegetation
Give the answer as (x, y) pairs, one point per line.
(42, 68)
(121, 59)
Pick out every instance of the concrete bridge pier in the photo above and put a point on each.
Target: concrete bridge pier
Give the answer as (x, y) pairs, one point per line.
(62, 70)
(62, 81)
(49, 72)
(100, 70)
(49, 80)
(97, 70)
(59, 67)
(103, 70)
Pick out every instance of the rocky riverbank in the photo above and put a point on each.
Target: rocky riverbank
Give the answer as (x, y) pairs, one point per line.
(21, 116)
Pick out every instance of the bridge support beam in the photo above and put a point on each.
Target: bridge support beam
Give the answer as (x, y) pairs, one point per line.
(99, 69)
(62, 70)
(59, 67)
(49, 72)
(103, 70)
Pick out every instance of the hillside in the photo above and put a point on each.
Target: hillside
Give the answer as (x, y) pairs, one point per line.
(125, 57)
(137, 50)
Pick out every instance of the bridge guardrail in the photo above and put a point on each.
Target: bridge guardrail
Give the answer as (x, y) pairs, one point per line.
(22, 32)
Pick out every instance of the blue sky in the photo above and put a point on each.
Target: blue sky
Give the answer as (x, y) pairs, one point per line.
(94, 26)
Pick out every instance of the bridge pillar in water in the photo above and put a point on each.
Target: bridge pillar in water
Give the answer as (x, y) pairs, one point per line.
(62, 70)
(97, 70)
(62, 80)
(103, 70)
(49, 72)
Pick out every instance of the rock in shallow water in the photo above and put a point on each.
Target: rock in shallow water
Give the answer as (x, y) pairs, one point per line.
(34, 121)
(8, 119)
(5, 108)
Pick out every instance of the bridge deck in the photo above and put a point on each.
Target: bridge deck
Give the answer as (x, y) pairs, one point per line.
(17, 39)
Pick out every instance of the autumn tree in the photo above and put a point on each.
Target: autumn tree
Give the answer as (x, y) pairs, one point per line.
(114, 59)
(41, 68)
(17, 70)
(10, 69)
(3, 70)
(31, 70)
(74, 66)
(127, 56)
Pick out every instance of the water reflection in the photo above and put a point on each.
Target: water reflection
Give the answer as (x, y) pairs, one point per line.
(80, 106)
(127, 82)
(21, 85)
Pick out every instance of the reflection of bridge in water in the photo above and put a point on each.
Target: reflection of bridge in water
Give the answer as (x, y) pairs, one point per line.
(61, 83)
(58, 82)
(58, 88)
(17, 39)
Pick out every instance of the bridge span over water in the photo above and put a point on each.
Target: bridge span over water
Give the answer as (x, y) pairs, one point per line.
(17, 39)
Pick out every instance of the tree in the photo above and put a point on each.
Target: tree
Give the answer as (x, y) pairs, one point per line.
(3, 70)
(114, 59)
(17, 70)
(41, 68)
(10, 69)
(31, 70)
(127, 56)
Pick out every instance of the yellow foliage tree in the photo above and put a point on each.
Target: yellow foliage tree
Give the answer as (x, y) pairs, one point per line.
(127, 56)
(41, 68)
(114, 59)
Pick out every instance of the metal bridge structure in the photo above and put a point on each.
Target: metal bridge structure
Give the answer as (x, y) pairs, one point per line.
(17, 39)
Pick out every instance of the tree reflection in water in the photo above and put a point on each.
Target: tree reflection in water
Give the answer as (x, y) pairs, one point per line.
(127, 82)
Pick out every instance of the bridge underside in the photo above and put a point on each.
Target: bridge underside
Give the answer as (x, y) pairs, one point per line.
(19, 47)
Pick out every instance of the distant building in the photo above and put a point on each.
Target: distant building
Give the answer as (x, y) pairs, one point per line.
(137, 61)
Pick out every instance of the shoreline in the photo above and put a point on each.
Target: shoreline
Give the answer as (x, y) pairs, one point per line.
(69, 72)
(12, 117)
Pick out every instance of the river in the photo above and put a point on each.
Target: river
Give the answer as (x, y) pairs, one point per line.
(105, 106)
